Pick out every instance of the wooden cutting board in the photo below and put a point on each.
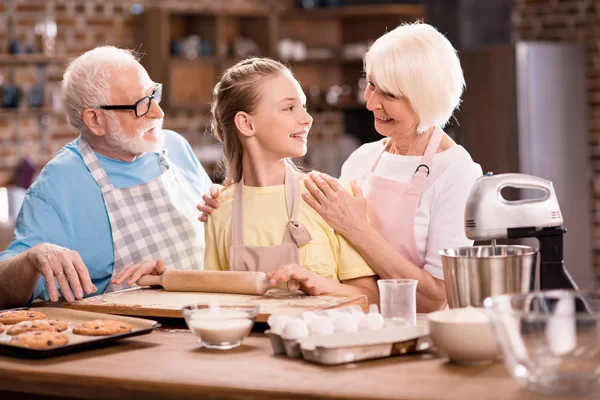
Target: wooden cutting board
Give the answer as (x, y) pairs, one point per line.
(151, 302)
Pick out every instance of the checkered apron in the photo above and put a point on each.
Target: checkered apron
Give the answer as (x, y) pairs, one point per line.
(152, 221)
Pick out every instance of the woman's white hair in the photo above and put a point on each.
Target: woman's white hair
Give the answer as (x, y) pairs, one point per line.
(417, 62)
(86, 82)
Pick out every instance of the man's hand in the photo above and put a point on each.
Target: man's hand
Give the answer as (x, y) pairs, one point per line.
(210, 202)
(132, 273)
(64, 266)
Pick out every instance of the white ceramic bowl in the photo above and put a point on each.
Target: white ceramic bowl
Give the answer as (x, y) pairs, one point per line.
(464, 335)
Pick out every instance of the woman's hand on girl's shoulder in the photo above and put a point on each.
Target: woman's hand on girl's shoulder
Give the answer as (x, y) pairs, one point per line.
(345, 212)
(210, 202)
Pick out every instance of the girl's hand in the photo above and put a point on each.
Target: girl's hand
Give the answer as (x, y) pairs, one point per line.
(310, 283)
(344, 212)
(210, 202)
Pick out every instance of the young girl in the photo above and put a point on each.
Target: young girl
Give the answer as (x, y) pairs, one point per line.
(262, 224)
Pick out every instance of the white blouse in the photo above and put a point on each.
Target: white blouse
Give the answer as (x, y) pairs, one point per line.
(439, 222)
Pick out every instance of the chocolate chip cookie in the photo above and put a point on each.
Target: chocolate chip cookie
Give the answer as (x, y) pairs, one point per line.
(101, 327)
(40, 339)
(16, 316)
(52, 325)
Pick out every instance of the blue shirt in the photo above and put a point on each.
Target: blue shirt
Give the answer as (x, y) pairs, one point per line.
(64, 206)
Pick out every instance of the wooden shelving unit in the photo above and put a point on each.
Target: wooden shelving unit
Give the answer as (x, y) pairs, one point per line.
(26, 112)
(189, 83)
(417, 11)
(29, 59)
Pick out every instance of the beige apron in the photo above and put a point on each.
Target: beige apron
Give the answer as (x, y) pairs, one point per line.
(267, 258)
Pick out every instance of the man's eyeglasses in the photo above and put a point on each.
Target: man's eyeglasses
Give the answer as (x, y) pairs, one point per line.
(142, 106)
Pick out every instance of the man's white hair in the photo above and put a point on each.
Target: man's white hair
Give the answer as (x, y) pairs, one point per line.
(417, 62)
(86, 82)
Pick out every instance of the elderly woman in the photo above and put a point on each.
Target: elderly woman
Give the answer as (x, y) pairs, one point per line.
(410, 187)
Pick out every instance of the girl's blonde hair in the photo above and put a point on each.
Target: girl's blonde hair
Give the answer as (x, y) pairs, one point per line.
(238, 91)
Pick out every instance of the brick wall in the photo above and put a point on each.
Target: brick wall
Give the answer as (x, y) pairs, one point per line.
(82, 25)
(571, 20)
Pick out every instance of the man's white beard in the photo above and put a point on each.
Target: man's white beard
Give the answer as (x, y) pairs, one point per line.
(137, 145)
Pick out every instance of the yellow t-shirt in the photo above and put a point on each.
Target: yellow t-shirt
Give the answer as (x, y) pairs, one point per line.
(328, 254)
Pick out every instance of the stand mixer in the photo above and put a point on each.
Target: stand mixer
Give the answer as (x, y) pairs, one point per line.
(489, 216)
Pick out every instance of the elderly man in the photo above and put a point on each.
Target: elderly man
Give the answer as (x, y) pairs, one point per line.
(116, 203)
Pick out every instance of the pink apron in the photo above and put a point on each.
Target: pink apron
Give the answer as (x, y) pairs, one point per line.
(393, 205)
(267, 258)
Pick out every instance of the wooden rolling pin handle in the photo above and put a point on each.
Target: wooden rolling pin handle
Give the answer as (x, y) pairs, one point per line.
(150, 280)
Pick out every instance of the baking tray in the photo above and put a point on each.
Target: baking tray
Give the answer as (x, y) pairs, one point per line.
(76, 342)
(159, 303)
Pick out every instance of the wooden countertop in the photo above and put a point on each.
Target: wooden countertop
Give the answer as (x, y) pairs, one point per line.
(170, 363)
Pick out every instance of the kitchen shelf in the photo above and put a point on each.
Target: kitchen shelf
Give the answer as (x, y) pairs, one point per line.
(198, 60)
(26, 112)
(30, 59)
(331, 60)
(406, 10)
(224, 12)
(192, 107)
(189, 83)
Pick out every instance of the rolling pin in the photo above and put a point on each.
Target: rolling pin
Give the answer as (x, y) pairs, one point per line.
(238, 282)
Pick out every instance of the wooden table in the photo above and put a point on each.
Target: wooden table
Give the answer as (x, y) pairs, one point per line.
(170, 364)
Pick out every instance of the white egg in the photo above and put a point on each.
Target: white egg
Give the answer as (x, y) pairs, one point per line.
(295, 329)
(345, 323)
(371, 322)
(333, 314)
(321, 326)
(358, 314)
(309, 316)
(277, 323)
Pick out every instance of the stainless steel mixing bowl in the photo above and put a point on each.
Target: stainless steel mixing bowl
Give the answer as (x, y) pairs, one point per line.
(473, 273)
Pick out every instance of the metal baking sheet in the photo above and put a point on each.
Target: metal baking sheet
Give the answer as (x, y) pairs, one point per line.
(76, 342)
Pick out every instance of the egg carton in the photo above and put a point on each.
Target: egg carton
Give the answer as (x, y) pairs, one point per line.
(350, 340)
(341, 348)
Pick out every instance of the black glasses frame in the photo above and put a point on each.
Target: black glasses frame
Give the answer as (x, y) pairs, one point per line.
(134, 106)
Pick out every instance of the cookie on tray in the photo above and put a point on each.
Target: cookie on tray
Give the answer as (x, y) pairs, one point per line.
(101, 327)
(52, 325)
(16, 316)
(40, 339)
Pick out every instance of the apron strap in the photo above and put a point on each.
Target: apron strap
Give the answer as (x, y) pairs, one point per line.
(386, 142)
(237, 215)
(363, 176)
(91, 161)
(422, 171)
(292, 193)
(295, 232)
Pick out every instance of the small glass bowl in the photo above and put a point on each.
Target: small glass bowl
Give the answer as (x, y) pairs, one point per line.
(220, 326)
(550, 340)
